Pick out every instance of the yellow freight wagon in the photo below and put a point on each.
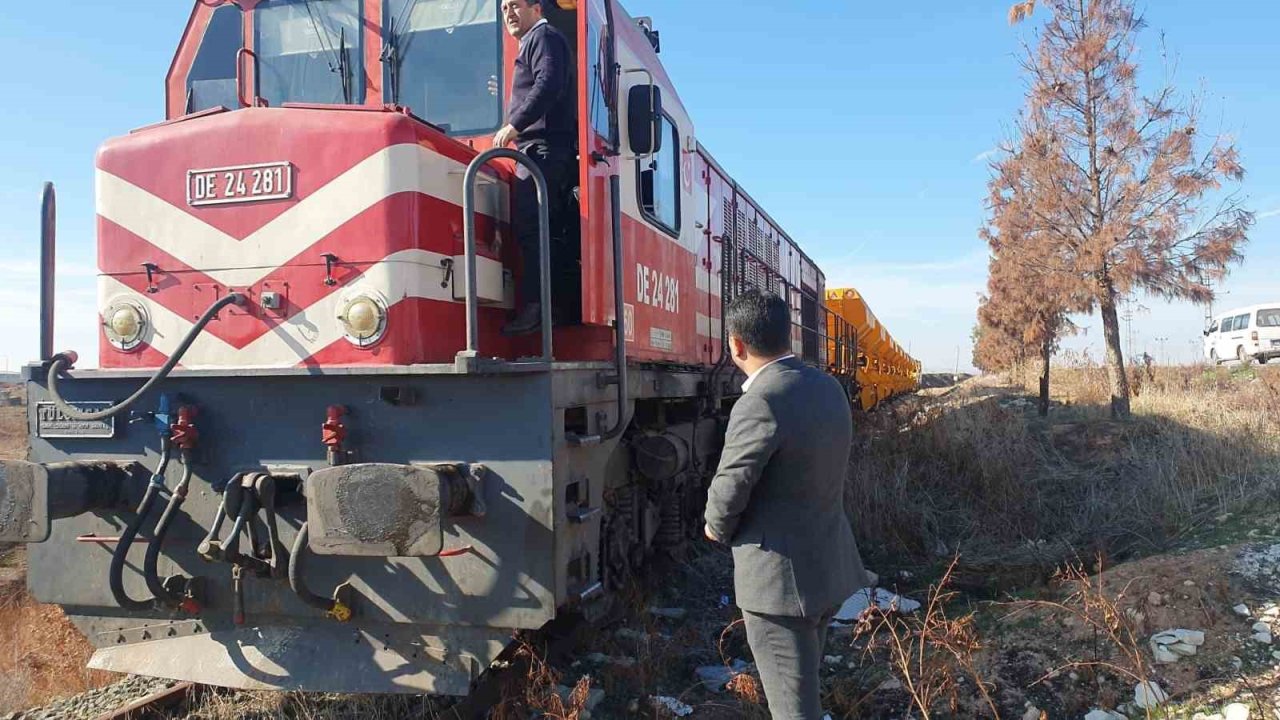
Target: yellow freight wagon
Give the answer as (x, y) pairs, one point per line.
(884, 369)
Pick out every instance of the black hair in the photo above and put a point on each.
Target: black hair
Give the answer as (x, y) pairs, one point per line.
(763, 321)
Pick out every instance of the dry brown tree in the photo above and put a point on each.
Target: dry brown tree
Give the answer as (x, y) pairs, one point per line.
(1124, 187)
(994, 348)
(1025, 311)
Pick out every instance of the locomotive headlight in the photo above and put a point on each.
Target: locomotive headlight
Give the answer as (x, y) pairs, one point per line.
(125, 323)
(363, 318)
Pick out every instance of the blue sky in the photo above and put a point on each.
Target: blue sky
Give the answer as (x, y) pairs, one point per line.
(862, 127)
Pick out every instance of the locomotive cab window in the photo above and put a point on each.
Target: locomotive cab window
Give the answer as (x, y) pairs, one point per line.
(602, 81)
(659, 180)
(443, 61)
(310, 51)
(212, 80)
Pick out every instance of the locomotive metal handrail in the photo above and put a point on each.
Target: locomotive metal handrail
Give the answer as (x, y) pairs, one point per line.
(48, 247)
(242, 87)
(469, 231)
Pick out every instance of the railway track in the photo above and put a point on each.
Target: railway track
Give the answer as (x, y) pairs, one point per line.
(158, 703)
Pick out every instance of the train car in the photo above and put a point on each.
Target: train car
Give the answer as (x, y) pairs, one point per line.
(883, 369)
(309, 459)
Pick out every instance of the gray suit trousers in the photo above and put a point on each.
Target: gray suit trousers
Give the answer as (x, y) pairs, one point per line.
(788, 653)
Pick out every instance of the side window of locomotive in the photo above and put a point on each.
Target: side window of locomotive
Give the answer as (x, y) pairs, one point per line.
(212, 80)
(310, 51)
(601, 88)
(660, 181)
(443, 61)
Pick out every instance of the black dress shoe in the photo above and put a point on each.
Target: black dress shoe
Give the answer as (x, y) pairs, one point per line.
(528, 320)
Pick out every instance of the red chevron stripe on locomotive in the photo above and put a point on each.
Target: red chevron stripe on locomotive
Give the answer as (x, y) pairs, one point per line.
(377, 192)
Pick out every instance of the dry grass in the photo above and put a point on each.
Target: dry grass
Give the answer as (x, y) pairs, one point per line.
(932, 655)
(1019, 496)
(42, 656)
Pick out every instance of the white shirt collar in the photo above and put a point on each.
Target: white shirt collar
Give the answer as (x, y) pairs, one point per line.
(752, 377)
(536, 25)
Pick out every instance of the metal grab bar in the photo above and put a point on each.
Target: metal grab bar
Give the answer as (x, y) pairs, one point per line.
(469, 230)
(48, 247)
(242, 88)
(625, 408)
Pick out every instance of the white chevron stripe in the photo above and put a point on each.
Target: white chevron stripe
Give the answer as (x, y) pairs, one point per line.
(239, 263)
(709, 327)
(706, 282)
(406, 274)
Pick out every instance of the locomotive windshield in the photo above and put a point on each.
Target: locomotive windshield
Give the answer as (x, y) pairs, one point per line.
(212, 82)
(443, 61)
(310, 51)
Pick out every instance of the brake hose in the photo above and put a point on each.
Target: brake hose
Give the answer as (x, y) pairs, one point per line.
(64, 361)
(333, 608)
(116, 575)
(149, 567)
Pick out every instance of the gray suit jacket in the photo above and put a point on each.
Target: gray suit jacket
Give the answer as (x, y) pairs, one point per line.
(778, 495)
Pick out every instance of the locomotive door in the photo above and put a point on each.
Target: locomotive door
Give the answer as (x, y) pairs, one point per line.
(597, 152)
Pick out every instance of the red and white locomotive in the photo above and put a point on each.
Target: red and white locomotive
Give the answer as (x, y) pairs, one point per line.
(293, 239)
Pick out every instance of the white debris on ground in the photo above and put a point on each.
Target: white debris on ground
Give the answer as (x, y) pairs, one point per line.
(1171, 646)
(1149, 695)
(1262, 633)
(716, 677)
(1104, 715)
(1235, 711)
(1259, 566)
(861, 600)
(672, 705)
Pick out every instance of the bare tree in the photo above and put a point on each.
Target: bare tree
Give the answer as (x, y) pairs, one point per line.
(1118, 183)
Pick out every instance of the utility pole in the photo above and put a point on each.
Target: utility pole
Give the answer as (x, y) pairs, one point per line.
(1164, 359)
(1127, 315)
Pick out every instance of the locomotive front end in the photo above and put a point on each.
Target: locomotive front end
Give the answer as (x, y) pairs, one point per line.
(283, 475)
(341, 228)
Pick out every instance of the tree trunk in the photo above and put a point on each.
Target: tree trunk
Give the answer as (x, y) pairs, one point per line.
(1115, 355)
(1047, 353)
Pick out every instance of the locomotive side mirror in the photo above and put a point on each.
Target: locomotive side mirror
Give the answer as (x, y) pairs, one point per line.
(644, 116)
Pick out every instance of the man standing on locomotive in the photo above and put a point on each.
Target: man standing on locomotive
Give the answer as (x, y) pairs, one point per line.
(540, 120)
(778, 500)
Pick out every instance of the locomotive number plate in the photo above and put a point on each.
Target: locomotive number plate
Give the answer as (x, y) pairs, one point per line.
(240, 184)
(53, 423)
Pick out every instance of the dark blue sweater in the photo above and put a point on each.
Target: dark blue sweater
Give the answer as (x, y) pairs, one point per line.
(542, 101)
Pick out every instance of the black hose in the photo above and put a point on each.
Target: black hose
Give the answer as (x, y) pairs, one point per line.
(149, 566)
(61, 362)
(295, 573)
(116, 573)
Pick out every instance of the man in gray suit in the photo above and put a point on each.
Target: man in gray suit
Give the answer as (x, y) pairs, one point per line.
(778, 500)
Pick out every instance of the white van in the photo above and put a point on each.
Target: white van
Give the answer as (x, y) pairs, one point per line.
(1245, 334)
